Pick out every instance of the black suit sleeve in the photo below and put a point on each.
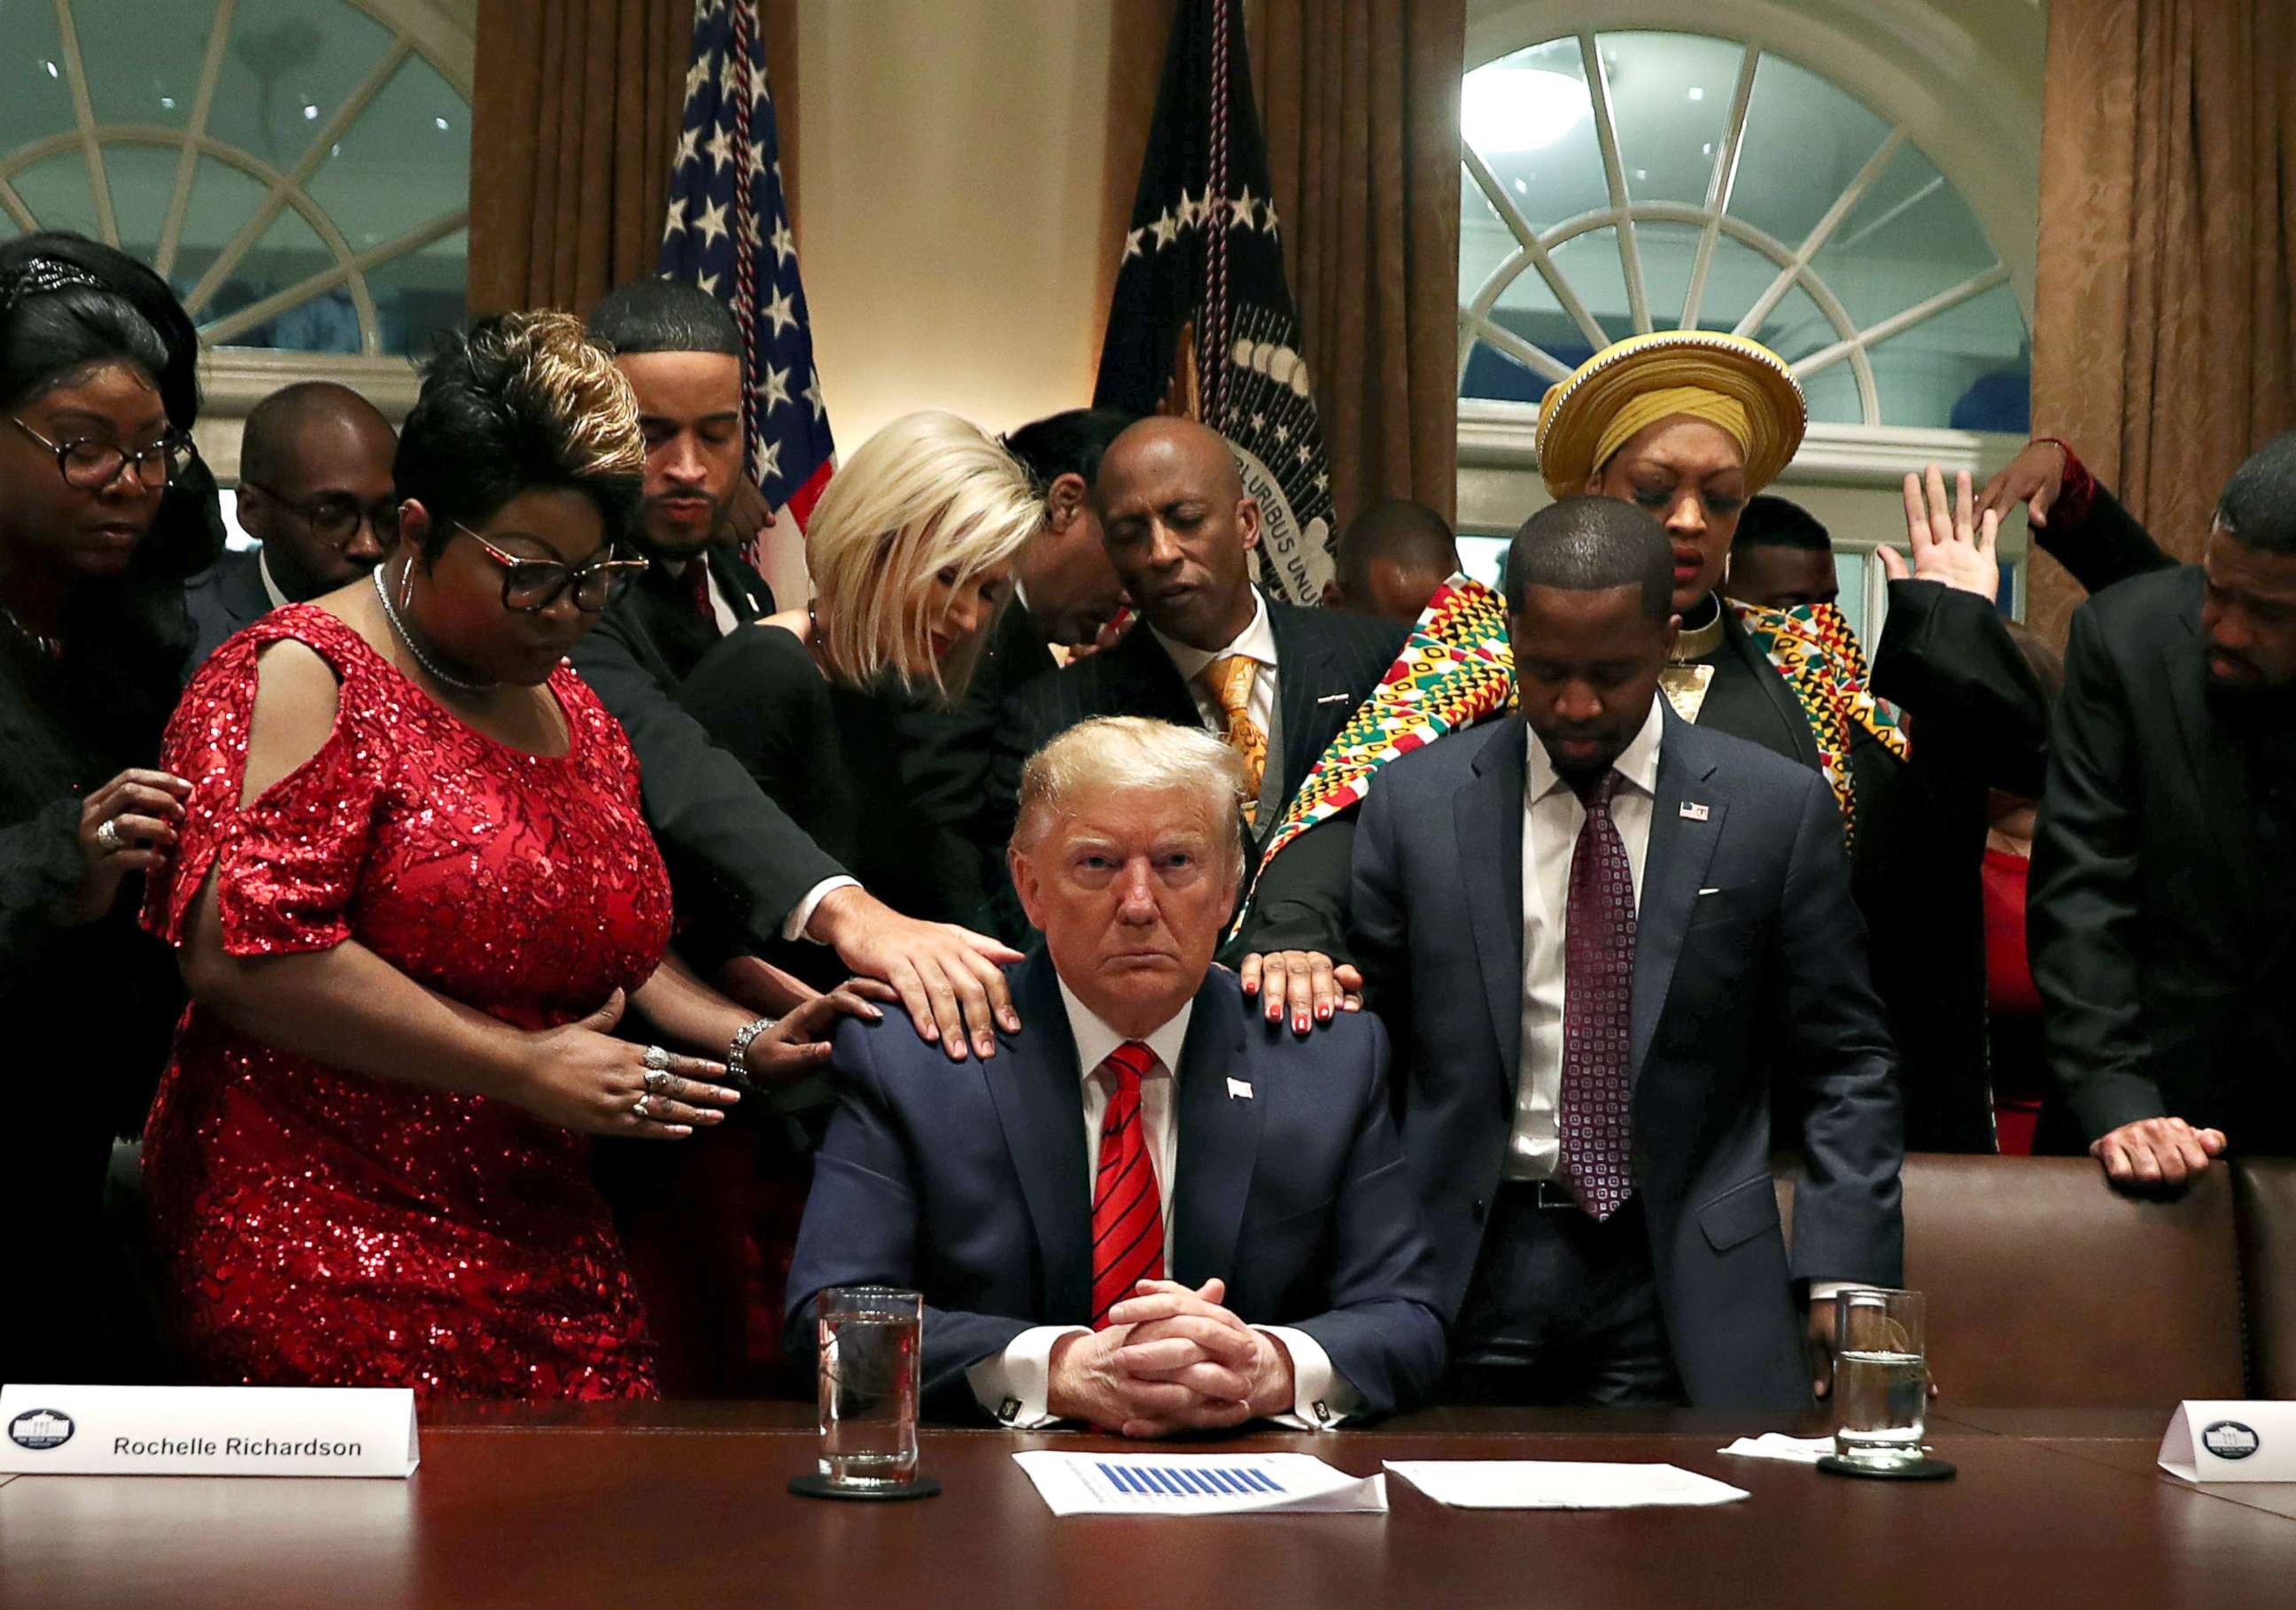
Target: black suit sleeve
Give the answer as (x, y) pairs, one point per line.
(2083, 910)
(730, 850)
(2105, 545)
(1301, 899)
(1946, 657)
(1848, 1223)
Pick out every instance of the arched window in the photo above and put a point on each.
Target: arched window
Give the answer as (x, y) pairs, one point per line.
(1617, 183)
(297, 169)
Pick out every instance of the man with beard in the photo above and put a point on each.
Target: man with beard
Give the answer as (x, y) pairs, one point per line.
(314, 492)
(744, 873)
(2164, 864)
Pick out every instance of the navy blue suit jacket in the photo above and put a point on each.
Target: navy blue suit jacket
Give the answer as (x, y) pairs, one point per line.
(968, 1183)
(1748, 956)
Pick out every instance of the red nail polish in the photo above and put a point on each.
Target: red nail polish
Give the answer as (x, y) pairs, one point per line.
(1299, 1025)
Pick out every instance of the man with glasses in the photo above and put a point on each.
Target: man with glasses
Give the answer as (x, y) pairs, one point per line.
(314, 491)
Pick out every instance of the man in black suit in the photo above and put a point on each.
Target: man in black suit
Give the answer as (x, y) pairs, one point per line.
(314, 492)
(1275, 681)
(746, 874)
(1596, 932)
(1065, 593)
(2164, 864)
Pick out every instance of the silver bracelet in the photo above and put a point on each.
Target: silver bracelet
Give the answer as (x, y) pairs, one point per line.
(737, 1052)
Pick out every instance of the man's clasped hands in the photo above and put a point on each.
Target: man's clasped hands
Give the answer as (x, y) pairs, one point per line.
(1170, 1360)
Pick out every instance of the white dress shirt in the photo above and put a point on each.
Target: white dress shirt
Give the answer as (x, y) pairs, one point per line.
(1012, 1385)
(721, 608)
(270, 588)
(1552, 817)
(1255, 643)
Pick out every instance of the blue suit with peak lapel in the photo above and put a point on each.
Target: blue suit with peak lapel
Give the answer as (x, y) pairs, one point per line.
(968, 1182)
(1749, 955)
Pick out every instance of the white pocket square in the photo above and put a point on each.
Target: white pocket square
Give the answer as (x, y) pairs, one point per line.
(1238, 1091)
(1702, 893)
(1333, 698)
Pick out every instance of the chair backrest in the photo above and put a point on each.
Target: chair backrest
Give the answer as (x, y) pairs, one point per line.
(2049, 1289)
(2264, 1190)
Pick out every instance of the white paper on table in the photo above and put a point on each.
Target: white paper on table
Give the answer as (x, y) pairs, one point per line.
(1558, 1484)
(2222, 1441)
(1778, 1445)
(1198, 1484)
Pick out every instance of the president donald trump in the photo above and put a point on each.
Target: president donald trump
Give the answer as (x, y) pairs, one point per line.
(1150, 1213)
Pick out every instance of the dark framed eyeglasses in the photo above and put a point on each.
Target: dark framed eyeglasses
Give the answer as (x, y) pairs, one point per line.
(533, 584)
(335, 520)
(91, 463)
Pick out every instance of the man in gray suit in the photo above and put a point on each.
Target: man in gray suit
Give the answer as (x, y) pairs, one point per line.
(1595, 933)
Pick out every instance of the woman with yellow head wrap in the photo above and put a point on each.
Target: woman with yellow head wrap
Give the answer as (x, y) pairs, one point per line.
(1689, 425)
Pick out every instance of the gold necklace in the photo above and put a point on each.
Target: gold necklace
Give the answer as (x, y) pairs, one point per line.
(1683, 682)
(1696, 643)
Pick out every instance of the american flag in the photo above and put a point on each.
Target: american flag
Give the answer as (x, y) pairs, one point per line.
(1201, 278)
(728, 232)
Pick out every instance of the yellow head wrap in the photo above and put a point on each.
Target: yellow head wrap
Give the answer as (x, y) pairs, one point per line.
(1739, 386)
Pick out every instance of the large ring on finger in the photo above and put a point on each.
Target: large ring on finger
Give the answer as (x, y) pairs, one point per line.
(656, 1058)
(656, 1081)
(638, 1108)
(108, 836)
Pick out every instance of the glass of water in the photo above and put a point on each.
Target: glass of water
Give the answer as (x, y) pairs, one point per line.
(1881, 1377)
(869, 1368)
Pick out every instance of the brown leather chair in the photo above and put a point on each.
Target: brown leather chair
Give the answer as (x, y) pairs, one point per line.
(2264, 1188)
(2047, 1289)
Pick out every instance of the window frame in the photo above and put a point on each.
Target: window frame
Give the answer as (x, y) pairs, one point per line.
(1971, 113)
(443, 33)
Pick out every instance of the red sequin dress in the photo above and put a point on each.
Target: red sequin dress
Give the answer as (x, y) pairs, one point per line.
(324, 1228)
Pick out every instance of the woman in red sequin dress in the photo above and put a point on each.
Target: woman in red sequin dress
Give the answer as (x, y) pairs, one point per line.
(414, 892)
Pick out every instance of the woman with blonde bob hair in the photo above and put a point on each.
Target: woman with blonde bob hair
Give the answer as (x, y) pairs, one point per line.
(911, 550)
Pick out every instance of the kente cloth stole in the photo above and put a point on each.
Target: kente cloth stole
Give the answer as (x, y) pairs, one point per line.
(1813, 648)
(1455, 671)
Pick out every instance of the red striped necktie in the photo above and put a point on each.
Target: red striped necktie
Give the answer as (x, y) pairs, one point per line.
(1128, 1218)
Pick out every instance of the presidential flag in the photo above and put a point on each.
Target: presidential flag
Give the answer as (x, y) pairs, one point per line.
(728, 232)
(1202, 321)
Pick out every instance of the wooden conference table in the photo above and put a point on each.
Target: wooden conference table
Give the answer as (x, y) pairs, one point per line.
(685, 1503)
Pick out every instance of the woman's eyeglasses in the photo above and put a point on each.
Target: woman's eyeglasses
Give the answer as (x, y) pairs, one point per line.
(91, 463)
(533, 584)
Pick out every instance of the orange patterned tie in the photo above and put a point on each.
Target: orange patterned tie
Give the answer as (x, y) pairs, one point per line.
(1228, 679)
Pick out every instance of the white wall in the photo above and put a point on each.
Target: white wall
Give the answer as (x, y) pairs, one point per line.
(950, 194)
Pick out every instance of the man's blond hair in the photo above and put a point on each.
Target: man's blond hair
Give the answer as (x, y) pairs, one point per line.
(1112, 752)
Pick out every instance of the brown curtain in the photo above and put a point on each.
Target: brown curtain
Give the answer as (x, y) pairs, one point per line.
(1360, 100)
(2162, 324)
(574, 113)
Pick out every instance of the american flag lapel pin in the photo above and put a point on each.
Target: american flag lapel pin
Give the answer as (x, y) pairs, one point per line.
(1692, 811)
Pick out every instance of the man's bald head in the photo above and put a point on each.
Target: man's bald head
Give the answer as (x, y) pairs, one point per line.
(270, 441)
(315, 485)
(1198, 451)
(1180, 529)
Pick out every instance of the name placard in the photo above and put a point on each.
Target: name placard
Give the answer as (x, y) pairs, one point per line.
(2226, 1442)
(207, 1431)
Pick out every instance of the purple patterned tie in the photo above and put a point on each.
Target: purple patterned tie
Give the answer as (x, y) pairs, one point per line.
(1598, 967)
